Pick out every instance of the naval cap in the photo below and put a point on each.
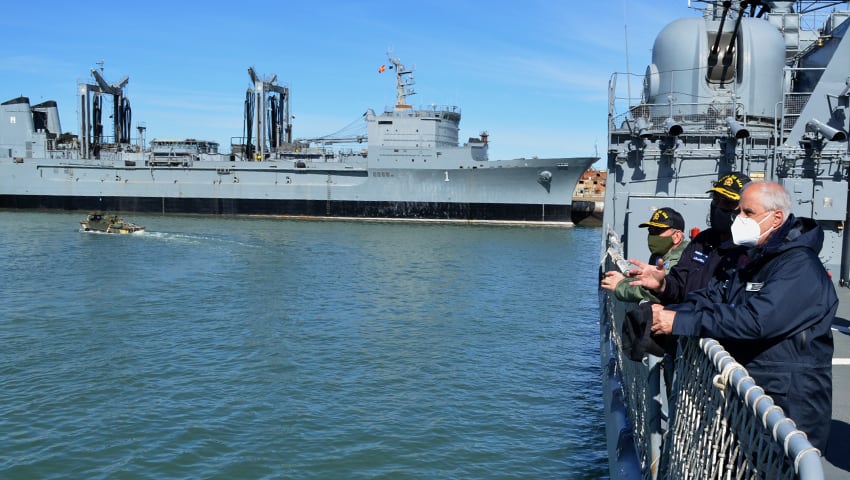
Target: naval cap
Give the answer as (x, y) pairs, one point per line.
(730, 185)
(665, 218)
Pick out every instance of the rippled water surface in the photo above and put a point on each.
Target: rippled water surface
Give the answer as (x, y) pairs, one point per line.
(259, 348)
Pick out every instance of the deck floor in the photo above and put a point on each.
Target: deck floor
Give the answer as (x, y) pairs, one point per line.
(837, 456)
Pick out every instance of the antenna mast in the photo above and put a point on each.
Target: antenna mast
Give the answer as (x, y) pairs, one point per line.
(403, 78)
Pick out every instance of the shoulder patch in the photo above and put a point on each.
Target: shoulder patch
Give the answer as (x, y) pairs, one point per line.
(700, 257)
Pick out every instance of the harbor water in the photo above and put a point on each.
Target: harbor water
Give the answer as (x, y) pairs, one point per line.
(267, 348)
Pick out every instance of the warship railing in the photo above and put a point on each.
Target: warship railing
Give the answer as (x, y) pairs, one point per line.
(719, 423)
(703, 119)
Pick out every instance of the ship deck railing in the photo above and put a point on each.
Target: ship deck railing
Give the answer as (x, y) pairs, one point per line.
(715, 423)
(703, 118)
(694, 118)
(431, 110)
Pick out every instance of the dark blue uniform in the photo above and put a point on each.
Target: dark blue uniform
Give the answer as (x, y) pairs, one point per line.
(774, 314)
(704, 255)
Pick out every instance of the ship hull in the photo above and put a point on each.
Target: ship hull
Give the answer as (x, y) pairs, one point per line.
(533, 190)
(310, 208)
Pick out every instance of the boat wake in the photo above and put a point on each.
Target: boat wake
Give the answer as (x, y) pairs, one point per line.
(189, 238)
(96, 232)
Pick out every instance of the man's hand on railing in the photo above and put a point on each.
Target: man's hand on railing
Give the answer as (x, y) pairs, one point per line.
(611, 279)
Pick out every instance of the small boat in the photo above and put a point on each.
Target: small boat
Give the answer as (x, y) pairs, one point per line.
(101, 222)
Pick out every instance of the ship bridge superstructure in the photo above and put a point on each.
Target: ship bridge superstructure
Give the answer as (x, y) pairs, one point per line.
(419, 133)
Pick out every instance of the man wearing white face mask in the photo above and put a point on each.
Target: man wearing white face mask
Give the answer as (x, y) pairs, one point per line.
(773, 311)
(747, 232)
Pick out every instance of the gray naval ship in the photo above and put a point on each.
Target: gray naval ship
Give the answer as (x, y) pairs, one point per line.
(754, 86)
(410, 165)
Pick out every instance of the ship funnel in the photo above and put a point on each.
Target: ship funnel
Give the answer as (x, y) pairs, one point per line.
(673, 129)
(831, 134)
(50, 116)
(736, 129)
(642, 128)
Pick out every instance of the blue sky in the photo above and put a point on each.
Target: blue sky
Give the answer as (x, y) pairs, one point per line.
(533, 74)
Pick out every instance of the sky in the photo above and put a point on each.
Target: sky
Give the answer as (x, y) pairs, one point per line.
(533, 74)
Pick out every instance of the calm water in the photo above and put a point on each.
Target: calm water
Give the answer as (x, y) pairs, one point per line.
(254, 348)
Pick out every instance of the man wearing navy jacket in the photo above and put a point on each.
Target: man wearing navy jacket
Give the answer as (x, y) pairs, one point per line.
(773, 310)
(709, 252)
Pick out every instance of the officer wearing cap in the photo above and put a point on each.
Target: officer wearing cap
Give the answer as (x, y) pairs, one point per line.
(725, 194)
(711, 249)
(666, 241)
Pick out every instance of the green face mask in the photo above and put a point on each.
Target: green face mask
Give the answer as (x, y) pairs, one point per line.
(659, 245)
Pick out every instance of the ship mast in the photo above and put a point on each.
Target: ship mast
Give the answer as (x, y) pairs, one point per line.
(403, 79)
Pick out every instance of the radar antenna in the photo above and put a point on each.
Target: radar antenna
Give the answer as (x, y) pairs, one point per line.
(403, 79)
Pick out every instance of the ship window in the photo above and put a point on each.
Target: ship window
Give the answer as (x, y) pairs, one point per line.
(385, 122)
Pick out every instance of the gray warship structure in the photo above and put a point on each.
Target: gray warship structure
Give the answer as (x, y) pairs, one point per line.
(410, 164)
(759, 87)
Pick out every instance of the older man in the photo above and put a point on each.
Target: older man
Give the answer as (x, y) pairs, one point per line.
(774, 310)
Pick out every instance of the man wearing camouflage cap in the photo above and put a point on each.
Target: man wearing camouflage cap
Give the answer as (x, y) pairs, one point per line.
(711, 249)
